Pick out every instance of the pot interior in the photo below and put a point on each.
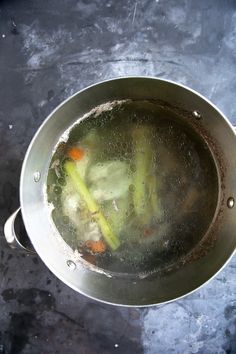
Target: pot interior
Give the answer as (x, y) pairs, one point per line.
(123, 142)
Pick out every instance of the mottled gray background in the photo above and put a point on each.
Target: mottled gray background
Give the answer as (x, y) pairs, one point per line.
(49, 50)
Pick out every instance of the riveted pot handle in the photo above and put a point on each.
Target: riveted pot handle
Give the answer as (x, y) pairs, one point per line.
(15, 233)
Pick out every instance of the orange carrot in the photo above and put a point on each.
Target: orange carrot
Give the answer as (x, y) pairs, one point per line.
(76, 153)
(96, 246)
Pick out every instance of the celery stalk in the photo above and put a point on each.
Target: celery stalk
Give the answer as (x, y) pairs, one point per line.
(155, 201)
(92, 206)
(143, 155)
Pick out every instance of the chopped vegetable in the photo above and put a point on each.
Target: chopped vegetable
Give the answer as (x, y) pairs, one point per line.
(109, 180)
(81, 188)
(117, 216)
(96, 246)
(148, 231)
(157, 211)
(83, 165)
(190, 199)
(91, 258)
(143, 155)
(76, 153)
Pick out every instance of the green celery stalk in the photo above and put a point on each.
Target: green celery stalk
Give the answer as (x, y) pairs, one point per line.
(155, 201)
(142, 158)
(117, 218)
(92, 206)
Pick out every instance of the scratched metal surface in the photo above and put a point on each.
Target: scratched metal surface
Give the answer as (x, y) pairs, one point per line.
(49, 50)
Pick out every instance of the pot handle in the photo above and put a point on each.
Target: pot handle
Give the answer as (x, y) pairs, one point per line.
(15, 233)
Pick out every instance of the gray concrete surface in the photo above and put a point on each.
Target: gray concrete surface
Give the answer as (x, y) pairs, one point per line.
(49, 50)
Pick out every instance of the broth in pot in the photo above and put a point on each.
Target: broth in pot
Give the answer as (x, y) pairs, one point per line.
(133, 187)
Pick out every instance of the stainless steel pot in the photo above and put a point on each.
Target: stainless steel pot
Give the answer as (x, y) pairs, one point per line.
(217, 246)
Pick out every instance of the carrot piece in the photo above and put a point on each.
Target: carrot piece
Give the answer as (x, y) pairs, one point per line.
(148, 231)
(91, 258)
(96, 246)
(76, 153)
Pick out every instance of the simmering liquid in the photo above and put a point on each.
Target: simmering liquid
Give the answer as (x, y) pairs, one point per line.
(134, 188)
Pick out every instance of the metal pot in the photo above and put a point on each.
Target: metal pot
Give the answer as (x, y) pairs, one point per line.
(216, 247)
